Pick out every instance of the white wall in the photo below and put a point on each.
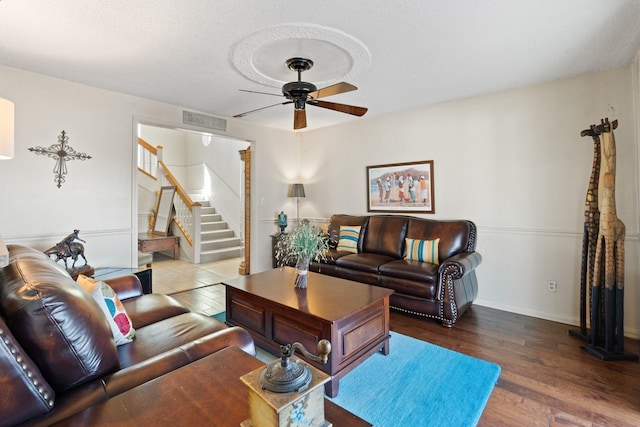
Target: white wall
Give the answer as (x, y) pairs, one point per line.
(515, 164)
(100, 194)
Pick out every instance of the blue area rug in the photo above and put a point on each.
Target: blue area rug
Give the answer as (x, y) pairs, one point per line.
(222, 316)
(416, 384)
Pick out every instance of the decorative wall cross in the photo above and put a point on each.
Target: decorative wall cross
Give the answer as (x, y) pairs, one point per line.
(61, 152)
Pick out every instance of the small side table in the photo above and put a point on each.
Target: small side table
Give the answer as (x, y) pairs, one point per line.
(153, 243)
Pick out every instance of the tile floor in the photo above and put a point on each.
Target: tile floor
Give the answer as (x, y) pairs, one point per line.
(195, 285)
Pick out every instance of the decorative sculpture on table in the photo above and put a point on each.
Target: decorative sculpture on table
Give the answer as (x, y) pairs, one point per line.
(69, 248)
(282, 221)
(606, 339)
(61, 152)
(288, 392)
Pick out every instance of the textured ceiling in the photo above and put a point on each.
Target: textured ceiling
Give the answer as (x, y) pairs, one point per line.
(407, 53)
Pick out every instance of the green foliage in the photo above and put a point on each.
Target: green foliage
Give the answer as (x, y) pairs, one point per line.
(305, 241)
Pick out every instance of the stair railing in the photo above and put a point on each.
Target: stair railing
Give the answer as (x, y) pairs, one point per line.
(187, 218)
(148, 158)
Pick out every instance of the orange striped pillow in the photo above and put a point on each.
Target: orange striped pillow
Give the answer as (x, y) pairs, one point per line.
(422, 250)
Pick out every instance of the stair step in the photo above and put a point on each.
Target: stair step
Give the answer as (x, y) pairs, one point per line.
(225, 233)
(213, 225)
(210, 218)
(210, 226)
(207, 210)
(220, 254)
(219, 244)
(217, 240)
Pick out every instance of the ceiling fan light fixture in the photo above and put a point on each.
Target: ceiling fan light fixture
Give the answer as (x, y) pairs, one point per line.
(299, 64)
(301, 93)
(299, 103)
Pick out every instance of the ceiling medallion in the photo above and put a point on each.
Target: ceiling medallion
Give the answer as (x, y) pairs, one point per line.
(262, 56)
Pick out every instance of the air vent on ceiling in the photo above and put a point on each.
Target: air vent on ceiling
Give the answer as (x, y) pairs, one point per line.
(202, 120)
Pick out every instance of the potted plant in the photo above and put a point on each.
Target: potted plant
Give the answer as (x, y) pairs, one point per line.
(303, 244)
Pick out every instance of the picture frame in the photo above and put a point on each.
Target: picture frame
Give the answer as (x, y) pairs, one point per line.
(401, 187)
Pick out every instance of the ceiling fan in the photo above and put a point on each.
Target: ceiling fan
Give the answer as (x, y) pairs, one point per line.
(302, 93)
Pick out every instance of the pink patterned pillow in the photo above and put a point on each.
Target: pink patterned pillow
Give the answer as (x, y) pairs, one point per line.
(114, 311)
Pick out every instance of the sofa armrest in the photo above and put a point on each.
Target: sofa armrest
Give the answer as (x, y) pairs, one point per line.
(457, 285)
(126, 287)
(25, 391)
(132, 376)
(79, 398)
(460, 265)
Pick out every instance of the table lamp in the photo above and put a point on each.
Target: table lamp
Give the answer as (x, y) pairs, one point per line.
(297, 191)
(7, 129)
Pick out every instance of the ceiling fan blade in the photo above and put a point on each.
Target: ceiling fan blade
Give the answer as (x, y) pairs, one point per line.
(343, 108)
(262, 93)
(335, 89)
(262, 108)
(299, 119)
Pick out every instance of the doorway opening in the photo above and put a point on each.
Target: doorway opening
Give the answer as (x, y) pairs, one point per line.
(213, 175)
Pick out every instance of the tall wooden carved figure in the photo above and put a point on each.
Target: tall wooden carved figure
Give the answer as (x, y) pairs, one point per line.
(609, 258)
(589, 235)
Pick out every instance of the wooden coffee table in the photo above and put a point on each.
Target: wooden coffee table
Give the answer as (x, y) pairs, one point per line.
(207, 392)
(353, 316)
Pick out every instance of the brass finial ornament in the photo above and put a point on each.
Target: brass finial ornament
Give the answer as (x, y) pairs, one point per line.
(288, 393)
(286, 376)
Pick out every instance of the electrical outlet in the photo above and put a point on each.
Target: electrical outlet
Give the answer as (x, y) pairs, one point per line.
(552, 286)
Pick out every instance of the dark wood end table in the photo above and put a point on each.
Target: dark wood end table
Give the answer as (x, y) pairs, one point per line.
(207, 392)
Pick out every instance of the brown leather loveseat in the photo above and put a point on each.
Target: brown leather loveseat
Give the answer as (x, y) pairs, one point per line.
(441, 290)
(58, 355)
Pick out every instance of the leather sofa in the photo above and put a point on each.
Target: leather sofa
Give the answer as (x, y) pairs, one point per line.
(441, 291)
(57, 351)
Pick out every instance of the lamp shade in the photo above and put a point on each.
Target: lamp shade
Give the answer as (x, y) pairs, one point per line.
(6, 129)
(296, 190)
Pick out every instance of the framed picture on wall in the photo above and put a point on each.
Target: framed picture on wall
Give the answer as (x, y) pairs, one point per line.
(401, 187)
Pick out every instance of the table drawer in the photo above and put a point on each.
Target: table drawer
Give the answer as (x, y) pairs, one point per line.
(248, 315)
(287, 331)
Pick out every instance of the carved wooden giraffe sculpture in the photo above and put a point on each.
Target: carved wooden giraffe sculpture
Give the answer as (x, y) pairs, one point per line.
(590, 233)
(609, 257)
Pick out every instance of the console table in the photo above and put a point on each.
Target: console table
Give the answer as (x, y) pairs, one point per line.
(153, 243)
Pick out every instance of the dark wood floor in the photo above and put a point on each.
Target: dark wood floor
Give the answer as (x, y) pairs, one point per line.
(546, 379)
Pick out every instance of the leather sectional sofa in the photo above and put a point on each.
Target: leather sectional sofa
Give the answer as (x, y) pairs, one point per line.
(441, 290)
(58, 355)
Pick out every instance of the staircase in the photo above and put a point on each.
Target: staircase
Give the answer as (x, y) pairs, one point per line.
(217, 240)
